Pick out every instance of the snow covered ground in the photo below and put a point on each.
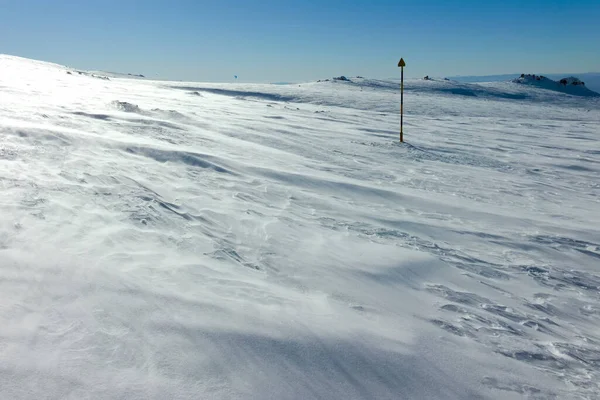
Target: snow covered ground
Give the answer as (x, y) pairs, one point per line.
(569, 85)
(591, 79)
(168, 240)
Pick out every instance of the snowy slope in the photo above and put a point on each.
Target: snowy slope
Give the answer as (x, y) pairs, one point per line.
(570, 85)
(591, 79)
(185, 240)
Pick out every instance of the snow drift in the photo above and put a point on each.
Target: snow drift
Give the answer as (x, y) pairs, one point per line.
(269, 241)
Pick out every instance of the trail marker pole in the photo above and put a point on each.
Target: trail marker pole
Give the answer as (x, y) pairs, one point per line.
(401, 64)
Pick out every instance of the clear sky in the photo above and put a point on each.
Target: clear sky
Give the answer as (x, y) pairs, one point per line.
(270, 41)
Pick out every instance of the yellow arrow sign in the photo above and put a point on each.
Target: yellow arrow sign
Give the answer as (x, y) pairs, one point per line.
(402, 63)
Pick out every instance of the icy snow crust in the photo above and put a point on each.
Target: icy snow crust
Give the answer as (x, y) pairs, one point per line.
(164, 240)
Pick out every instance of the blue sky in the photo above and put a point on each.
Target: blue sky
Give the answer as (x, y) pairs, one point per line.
(269, 41)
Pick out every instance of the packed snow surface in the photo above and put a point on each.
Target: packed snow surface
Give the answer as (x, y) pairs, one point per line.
(169, 240)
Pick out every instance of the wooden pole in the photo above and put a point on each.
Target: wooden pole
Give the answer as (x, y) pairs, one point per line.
(401, 104)
(401, 64)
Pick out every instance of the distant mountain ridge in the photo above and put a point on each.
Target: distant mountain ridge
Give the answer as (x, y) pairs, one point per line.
(571, 85)
(591, 79)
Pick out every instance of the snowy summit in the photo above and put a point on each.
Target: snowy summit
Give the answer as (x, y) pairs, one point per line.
(571, 85)
(184, 240)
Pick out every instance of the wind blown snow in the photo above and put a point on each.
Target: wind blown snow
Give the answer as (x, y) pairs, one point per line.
(185, 240)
